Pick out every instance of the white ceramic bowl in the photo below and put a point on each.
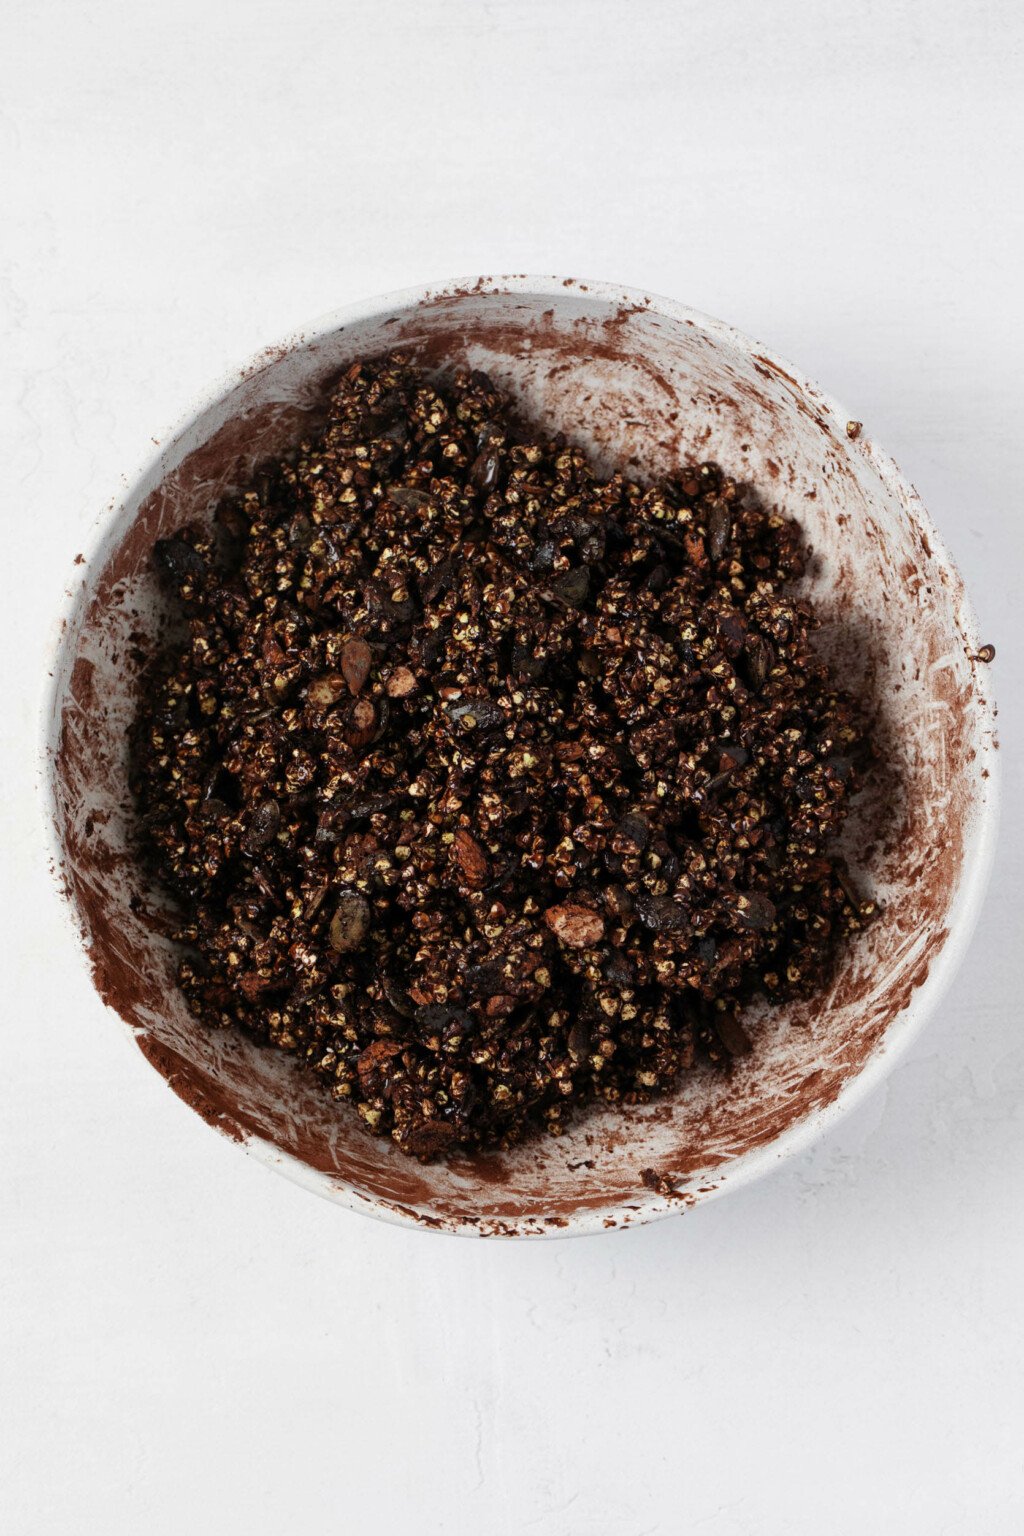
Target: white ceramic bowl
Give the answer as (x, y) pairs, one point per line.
(640, 381)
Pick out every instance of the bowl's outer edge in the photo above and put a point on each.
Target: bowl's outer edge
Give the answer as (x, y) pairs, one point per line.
(104, 534)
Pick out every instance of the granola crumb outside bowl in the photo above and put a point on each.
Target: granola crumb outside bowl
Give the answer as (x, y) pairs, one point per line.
(645, 383)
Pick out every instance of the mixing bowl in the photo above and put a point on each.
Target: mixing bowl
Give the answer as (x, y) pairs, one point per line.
(645, 383)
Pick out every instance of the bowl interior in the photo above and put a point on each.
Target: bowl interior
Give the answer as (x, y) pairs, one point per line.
(648, 385)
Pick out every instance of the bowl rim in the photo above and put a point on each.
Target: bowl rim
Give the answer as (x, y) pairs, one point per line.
(97, 541)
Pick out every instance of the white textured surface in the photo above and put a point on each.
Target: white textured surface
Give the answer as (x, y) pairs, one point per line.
(192, 1344)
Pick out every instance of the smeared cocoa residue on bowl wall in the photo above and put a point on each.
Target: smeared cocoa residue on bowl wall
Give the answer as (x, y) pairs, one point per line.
(635, 388)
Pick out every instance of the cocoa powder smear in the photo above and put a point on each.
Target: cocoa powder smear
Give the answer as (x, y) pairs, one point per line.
(488, 787)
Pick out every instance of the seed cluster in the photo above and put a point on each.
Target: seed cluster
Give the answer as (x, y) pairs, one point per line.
(489, 786)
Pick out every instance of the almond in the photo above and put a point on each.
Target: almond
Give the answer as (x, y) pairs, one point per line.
(355, 664)
(325, 691)
(401, 682)
(471, 859)
(575, 926)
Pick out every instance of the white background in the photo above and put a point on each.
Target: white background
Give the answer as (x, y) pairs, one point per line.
(190, 1343)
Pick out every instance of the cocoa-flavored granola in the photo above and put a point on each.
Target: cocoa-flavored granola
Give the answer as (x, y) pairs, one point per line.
(489, 786)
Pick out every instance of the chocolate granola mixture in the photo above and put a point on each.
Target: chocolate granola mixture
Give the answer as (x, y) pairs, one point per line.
(489, 787)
